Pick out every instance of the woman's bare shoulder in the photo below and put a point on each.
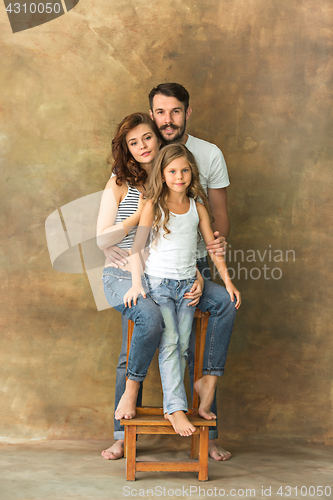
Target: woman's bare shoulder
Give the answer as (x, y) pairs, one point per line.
(119, 190)
(112, 183)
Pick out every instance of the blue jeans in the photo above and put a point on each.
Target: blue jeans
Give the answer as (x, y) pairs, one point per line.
(178, 319)
(148, 329)
(216, 300)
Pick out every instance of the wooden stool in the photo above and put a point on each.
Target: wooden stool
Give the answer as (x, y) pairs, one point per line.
(150, 420)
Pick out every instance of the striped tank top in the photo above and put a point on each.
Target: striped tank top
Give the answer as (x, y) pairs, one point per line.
(127, 207)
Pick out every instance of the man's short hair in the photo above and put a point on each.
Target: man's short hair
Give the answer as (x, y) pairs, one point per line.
(170, 90)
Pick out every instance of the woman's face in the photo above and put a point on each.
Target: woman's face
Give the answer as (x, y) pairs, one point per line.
(142, 143)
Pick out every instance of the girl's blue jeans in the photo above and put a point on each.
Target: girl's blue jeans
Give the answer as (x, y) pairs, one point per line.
(173, 347)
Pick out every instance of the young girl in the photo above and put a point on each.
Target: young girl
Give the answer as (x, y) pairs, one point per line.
(170, 270)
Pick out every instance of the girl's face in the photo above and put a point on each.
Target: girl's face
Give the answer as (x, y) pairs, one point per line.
(142, 143)
(178, 175)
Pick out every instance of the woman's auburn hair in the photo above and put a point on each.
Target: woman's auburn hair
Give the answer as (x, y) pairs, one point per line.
(125, 167)
(158, 190)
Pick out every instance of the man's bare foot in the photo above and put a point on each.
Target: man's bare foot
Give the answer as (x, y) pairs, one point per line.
(115, 451)
(127, 404)
(205, 388)
(216, 452)
(180, 423)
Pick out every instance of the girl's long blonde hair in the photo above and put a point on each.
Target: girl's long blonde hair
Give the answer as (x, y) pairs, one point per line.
(158, 190)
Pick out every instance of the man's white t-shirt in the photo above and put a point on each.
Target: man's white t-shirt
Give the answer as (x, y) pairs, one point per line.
(212, 168)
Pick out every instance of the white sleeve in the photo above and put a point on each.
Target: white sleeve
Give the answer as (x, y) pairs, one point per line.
(218, 173)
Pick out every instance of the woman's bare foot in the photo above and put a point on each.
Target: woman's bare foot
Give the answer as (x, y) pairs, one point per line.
(180, 423)
(115, 451)
(216, 452)
(205, 388)
(127, 404)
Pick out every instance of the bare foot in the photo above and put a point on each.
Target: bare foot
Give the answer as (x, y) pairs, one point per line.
(127, 404)
(205, 388)
(217, 452)
(180, 423)
(115, 451)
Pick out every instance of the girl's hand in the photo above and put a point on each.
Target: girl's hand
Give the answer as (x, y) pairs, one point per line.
(232, 291)
(217, 246)
(141, 204)
(195, 293)
(133, 294)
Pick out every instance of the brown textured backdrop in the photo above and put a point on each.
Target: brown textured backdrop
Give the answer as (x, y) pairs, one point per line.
(260, 78)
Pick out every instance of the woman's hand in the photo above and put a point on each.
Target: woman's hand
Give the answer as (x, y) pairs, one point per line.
(233, 292)
(195, 293)
(133, 294)
(116, 256)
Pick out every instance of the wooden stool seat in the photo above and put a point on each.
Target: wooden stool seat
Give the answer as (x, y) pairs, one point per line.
(150, 420)
(159, 420)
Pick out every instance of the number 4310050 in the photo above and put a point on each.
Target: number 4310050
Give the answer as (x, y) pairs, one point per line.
(33, 8)
(304, 491)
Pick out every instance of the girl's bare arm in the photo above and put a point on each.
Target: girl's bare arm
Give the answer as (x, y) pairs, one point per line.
(137, 263)
(207, 234)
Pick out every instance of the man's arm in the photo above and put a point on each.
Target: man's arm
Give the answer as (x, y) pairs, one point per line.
(217, 199)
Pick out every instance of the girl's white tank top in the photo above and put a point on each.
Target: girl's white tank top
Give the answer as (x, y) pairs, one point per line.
(174, 255)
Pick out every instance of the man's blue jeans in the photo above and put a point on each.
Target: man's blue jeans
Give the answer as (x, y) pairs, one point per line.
(173, 347)
(214, 299)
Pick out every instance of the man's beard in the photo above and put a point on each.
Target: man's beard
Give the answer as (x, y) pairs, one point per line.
(178, 137)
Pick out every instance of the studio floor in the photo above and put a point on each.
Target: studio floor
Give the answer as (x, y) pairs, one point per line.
(70, 470)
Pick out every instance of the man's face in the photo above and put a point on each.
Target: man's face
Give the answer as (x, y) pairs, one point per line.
(170, 117)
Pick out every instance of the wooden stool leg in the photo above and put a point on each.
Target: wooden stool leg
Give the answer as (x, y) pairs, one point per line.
(125, 441)
(131, 453)
(195, 445)
(203, 454)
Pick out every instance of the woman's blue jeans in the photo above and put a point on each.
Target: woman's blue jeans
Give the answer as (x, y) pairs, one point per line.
(147, 317)
(178, 319)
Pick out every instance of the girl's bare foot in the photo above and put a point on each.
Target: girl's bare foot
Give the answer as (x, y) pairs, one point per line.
(127, 404)
(205, 388)
(216, 452)
(180, 423)
(115, 451)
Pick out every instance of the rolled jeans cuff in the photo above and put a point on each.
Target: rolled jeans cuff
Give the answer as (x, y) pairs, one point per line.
(174, 408)
(135, 376)
(119, 435)
(213, 434)
(216, 371)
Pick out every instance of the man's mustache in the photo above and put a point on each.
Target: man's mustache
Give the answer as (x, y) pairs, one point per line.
(168, 126)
